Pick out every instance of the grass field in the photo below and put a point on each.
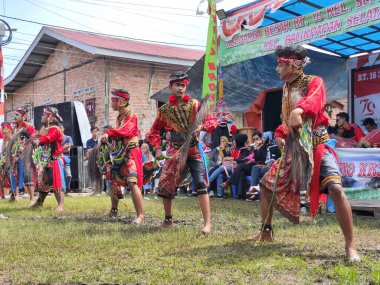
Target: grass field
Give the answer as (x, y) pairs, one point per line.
(83, 246)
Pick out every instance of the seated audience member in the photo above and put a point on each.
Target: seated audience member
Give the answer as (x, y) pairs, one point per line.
(219, 166)
(369, 124)
(258, 171)
(372, 139)
(238, 153)
(256, 155)
(348, 131)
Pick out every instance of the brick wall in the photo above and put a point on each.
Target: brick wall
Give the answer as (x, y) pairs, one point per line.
(141, 79)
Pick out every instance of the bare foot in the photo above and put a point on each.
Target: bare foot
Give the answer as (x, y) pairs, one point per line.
(262, 236)
(36, 204)
(32, 201)
(139, 220)
(352, 255)
(165, 225)
(60, 208)
(206, 229)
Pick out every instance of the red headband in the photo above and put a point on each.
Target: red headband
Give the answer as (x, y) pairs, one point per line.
(121, 95)
(6, 126)
(186, 81)
(286, 59)
(21, 111)
(48, 113)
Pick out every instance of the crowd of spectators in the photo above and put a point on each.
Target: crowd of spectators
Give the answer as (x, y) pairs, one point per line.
(236, 163)
(349, 135)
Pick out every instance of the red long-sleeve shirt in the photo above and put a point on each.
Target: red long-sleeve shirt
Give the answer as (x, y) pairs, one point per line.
(54, 135)
(177, 117)
(126, 128)
(24, 125)
(312, 102)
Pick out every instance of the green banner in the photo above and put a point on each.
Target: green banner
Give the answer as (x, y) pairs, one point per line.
(336, 19)
(210, 72)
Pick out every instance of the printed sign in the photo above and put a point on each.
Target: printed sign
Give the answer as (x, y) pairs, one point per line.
(360, 168)
(336, 19)
(366, 94)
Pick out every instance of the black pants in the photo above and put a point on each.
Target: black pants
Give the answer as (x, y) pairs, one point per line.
(238, 178)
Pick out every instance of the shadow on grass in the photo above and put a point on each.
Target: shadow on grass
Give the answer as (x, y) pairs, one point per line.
(241, 251)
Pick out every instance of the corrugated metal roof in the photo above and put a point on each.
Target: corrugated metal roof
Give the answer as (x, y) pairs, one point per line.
(125, 45)
(48, 38)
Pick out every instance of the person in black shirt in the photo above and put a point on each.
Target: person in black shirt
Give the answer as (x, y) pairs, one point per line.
(257, 155)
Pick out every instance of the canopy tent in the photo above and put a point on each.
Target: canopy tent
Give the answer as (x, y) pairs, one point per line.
(250, 33)
(244, 81)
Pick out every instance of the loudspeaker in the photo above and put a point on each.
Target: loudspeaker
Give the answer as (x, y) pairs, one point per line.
(70, 120)
(77, 168)
(272, 110)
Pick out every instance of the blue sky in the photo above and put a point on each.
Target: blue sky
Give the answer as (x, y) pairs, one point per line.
(171, 21)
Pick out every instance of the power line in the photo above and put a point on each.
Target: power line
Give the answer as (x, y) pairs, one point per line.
(115, 22)
(143, 5)
(97, 18)
(100, 34)
(58, 14)
(152, 11)
(18, 32)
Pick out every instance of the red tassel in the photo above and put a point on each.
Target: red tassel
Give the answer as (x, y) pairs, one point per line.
(172, 99)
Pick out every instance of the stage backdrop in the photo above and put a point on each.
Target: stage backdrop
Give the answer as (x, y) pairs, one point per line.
(360, 169)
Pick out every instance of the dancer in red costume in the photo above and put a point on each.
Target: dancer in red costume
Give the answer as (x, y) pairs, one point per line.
(23, 130)
(6, 132)
(129, 172)
(302, 135)
(177, 116)
(53, 176)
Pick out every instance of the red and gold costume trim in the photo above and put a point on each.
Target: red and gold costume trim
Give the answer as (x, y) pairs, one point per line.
(308, 93)
(132, 169)
(54, 138)
(174, 117)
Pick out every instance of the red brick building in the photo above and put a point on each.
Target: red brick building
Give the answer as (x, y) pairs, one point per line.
(67, 65)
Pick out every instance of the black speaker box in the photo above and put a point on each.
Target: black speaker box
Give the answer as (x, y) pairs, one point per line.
(77, 171)
(272, 110)
(70, 120)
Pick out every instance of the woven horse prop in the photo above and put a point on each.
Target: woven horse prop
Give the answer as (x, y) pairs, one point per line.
(106, 159)
(35, 158)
